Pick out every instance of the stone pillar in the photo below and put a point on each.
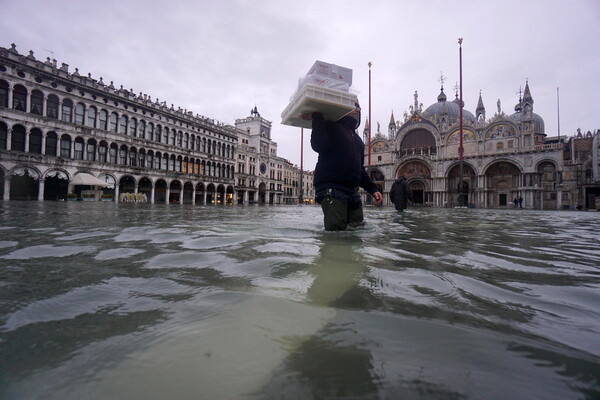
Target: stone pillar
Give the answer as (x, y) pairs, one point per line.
(8, 138)
(27, 141)
(204, 196)
(193, 195)
(116, 192)
(152, 194)
(558, 199)
(6, 188)
(167, 194)
(41, 185)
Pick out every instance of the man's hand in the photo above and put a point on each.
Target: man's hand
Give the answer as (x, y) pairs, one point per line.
(378, 197)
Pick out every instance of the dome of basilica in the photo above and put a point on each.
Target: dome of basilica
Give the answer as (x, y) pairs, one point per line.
(450, 109)
(538, 123)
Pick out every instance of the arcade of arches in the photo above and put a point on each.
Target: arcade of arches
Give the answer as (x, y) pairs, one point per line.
(495, 187)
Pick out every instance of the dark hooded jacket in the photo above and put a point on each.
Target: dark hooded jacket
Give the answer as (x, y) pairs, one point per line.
(400, 193)
(341, 155)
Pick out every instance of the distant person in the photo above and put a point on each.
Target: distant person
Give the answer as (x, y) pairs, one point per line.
(340, 170)
(520, 202)
(400, 194)
(515, 202)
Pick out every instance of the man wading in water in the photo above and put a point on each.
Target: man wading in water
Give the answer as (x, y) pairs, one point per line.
(340, 170)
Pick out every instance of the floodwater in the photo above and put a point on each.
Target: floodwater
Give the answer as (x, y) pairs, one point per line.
(137, 301)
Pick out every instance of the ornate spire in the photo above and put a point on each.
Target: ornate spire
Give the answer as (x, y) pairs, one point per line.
(480, 111)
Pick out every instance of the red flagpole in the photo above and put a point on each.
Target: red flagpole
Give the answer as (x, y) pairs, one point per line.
(370, 122)
(460, 116)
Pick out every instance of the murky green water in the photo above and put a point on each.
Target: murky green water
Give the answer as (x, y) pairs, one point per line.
(130, 301)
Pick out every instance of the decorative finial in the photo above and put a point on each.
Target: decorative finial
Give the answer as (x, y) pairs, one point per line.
(460, 40)
(442, 79)
(370, 63)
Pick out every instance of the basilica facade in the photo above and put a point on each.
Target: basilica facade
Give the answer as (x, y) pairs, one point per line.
(64, 135)
(506, 157)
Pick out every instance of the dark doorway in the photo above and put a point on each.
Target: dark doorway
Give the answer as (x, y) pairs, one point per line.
(55, 188)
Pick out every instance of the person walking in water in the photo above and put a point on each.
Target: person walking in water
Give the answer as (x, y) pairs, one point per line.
(340, 170)
(401, 193)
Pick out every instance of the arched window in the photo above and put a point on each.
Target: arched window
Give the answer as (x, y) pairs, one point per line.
(133, 127)
(172, 163)
(20, 98)
(112, 154)
(165, 162)
(123, 155)
(17, 138)
(78, 149)
(150, 159)
(150, 131)
(186, 141)
(179, 139)
(112, 123)
(35, 141)
(103, 120)
(209, 146)
(158, 137)
(157, 160)
(3, 135)
(51, 144)
(37, 102)
(79, 114)
(204, 145)
(102, 151)
(166, 135)
(143, 129)
(173, 136)
(91, 150)
(52, 106)
(179, 165)
(3, 93)
(91, 117)
(67, 111)
(133, 157)
(123, 124)
(142, 158)
(65, 146)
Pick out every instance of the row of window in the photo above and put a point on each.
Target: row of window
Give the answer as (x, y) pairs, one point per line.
(112, 122)
(104, 153)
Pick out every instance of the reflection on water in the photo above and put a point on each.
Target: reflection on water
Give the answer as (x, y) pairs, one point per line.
(103, 300)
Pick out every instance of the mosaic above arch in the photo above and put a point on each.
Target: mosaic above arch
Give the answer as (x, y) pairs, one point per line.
(415, 169)
(468, 136)
(500, 131)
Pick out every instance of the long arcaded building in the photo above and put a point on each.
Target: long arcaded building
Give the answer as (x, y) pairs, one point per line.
(64, 135)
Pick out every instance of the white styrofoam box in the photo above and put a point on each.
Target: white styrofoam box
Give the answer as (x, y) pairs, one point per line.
(331, 71)
(333, 104)
(323, 81)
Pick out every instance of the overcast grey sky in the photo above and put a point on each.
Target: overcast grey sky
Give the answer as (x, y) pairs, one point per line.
(221, 58)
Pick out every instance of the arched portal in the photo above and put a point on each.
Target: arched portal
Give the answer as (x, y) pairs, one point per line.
(145, 187)
(200, 191)
(502, 182)
(417, 171)
(221, 194)
(461, 193)
(188, 191)
(210, 194)
(56, 185)
(175, 191)
(160, 192)
(262, 192)
(24, 184)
